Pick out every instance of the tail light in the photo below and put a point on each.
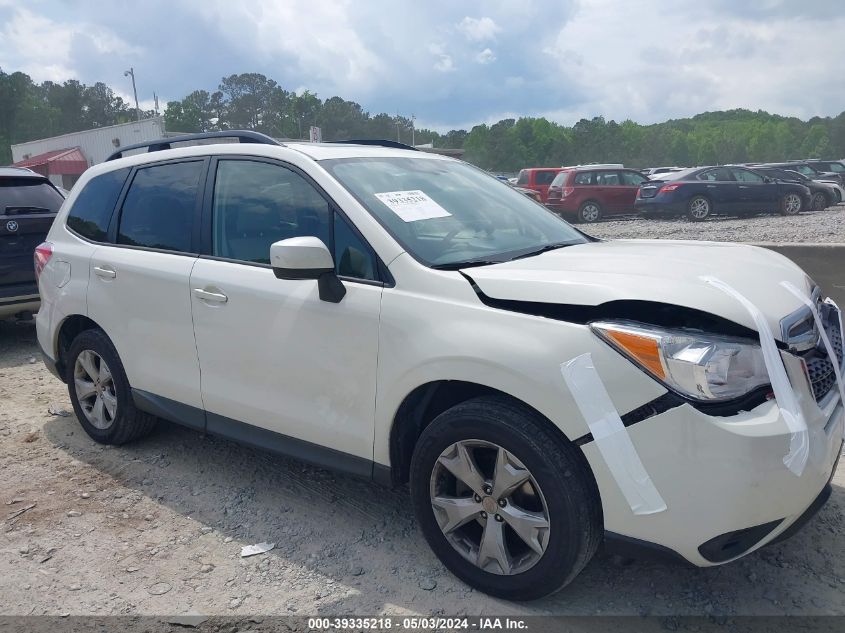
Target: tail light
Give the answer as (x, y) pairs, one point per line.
(567, 191)
(43, 253)
(668, 188)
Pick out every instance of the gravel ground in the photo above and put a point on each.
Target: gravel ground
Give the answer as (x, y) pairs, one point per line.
(156, 527)
(812, 226)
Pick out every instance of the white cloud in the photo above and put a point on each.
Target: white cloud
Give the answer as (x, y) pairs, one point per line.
(478, 29)
(44, 46)
(444, 63)
(486, 56)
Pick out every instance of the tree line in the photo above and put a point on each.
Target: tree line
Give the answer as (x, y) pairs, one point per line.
(253, 101)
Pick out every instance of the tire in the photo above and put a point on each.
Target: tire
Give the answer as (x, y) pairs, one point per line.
(791, 204)
(589, 212)
(819, 202)
(560, 489)
(699, 208)
(115, 420)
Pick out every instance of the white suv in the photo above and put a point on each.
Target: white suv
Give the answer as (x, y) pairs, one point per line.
(405, 317)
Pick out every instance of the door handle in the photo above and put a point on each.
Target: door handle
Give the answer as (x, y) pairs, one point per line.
(743, 186)
(711, 186)
(211, 297)
(105, 272)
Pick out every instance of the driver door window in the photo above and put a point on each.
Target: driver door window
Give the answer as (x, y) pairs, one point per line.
(256, 204)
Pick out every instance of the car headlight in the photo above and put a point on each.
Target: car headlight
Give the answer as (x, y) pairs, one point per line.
(695, 364)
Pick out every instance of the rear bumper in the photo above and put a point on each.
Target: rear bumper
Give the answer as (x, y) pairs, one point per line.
(16, 298)
(654, 206)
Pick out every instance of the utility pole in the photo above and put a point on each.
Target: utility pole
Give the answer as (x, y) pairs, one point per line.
(131, 73)
(398, 140)
(413, 119)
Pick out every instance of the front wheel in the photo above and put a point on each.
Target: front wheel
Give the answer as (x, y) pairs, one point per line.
(509, 507)
(699, 208)
(790, 204)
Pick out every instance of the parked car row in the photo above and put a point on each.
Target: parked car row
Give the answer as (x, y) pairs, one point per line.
(587, 193)
(28, 205)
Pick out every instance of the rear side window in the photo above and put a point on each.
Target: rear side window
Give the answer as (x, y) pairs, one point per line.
(584, 178)
(545, 177)
(836, 167)
(522, 179)
(720, 174)
(92, 211)
(607, 178)
(28, 195)
(158, 211)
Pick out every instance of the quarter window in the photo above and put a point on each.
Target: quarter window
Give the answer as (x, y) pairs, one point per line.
(607, 178)
(158, 211)
(351, 255)
(92, 211)
(720, 174)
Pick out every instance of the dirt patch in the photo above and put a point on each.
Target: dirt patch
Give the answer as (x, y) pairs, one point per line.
(157, 527)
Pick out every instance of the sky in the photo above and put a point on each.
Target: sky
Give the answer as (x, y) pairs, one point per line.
(450, 63)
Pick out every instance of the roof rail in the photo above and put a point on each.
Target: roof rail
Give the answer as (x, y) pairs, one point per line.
(376, 142)
(243, 136)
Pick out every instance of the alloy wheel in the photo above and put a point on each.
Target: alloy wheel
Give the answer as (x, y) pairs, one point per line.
(819, 202)
(95, 389)
(699, 208)
(590, 213)
(792, 204)
(489, 507)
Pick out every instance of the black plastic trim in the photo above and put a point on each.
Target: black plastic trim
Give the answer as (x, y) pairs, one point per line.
(250, 435)
(631, 547)
(288, 446)
(243, 136)
(377, 143)
(736, 543)
(808, 514)
(51, 365)
(301, 273)
(168, 409)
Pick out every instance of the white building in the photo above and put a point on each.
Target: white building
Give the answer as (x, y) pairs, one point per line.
(54, 157)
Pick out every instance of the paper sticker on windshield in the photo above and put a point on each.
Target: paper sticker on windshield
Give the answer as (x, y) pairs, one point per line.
(412, 205)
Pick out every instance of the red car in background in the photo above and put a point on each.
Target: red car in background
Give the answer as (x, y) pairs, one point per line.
(587, 194)
(538, 179)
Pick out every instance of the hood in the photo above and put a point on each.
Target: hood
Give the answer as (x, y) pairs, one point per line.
(664, 271)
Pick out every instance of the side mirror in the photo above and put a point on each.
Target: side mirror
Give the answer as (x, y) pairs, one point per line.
(307, 258)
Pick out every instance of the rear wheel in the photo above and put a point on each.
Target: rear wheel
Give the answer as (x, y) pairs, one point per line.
(819, 202)
(507, 506)
(100, 392)
(790, 204)
(699, 208)
(589, 212)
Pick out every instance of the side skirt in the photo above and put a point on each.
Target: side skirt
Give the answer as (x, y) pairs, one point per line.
(260, 438)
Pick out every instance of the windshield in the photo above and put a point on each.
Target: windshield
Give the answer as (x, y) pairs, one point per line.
(447, 213)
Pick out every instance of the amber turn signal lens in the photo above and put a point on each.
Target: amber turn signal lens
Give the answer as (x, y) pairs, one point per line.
(642, 348)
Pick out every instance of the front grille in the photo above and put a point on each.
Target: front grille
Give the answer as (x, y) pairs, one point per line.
(648, 192)
(819, 365)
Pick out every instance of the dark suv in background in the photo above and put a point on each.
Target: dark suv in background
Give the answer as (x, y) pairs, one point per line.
(823, 195)
(28, 204)
(587, 194)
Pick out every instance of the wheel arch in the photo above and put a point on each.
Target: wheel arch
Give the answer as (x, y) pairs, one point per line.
(71, 327)
(419, 409)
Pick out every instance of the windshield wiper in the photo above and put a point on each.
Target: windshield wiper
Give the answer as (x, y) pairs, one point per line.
(547, 247)
(470, 263)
